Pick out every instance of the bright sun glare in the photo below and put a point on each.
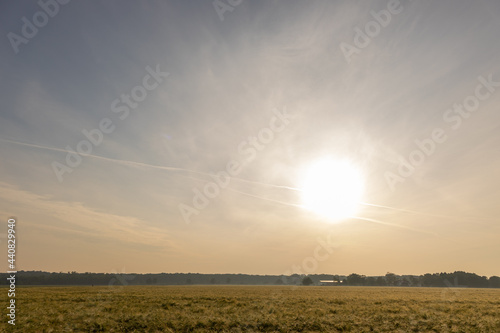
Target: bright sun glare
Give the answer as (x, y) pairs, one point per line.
(332, 188)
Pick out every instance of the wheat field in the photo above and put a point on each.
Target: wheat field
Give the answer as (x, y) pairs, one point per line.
(255, 309)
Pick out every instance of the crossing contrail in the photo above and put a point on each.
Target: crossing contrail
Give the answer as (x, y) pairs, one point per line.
(420, 213)
(392, 225)
(124, 162)
(352, 217)
(267, 199)
(143, 165)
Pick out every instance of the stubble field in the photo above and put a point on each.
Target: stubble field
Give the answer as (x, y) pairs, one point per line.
(254, 309)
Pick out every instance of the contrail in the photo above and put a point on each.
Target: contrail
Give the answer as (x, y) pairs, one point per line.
(269, 185)
(408, 228)
(420, 213)
(35, 146)
(114, 160)
(263, 198)
(364, 203)
(143, 165)
(392, 225)
(392, 208)
(125, 162)
(353, 217)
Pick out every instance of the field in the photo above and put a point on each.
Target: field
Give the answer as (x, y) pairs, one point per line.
(254, 309)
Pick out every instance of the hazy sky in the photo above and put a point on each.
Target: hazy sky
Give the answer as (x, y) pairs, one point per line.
(362, 96)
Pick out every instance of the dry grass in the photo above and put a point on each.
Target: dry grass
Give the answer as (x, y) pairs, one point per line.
(255, 309)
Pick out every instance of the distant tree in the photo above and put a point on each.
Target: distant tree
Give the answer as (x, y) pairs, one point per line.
(391, 279)
(381, 281)
(494, 282)
(294, 279)
(466, 279)
(307, 281)
(355, 280)
(212, 281)
(405, 283)
(414, 281)
(371, 281)
(228, 281)
(426, 279)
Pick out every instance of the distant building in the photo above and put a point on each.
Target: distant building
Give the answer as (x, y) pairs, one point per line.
(328, 283)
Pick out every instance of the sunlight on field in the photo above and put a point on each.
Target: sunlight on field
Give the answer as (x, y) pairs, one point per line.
(256, 309)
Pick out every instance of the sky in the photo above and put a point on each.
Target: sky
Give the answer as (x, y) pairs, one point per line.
(175, 136)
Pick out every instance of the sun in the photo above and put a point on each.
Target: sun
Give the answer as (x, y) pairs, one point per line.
(332, 188)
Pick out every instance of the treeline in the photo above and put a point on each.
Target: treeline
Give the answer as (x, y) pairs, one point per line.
(455, 279)
(74, 278)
